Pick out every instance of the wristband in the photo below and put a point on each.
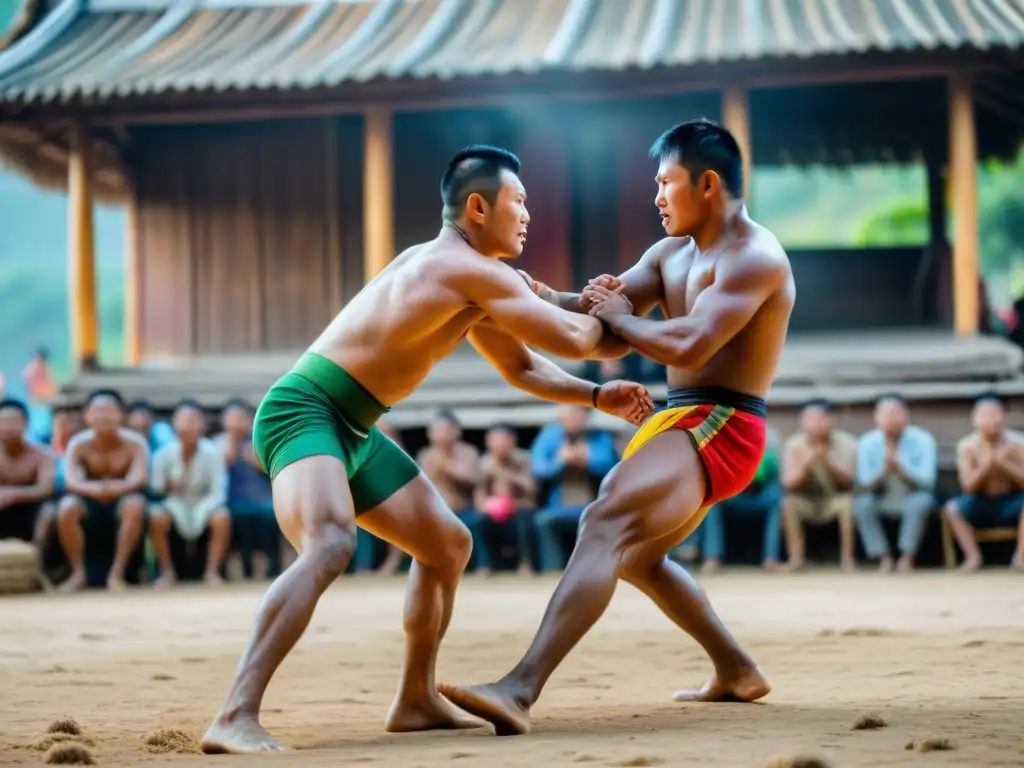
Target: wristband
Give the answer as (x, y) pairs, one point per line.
(597, 391)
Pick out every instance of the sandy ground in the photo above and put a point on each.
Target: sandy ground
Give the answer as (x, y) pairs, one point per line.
(934, 654)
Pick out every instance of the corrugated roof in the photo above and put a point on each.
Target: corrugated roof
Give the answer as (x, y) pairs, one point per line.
(82, 50)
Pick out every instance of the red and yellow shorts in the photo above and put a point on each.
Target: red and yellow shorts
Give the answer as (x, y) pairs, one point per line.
(728, 430)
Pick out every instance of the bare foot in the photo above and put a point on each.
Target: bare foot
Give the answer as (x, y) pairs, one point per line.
(241, 736)
(971, 564)
(492, 703)
(771, 565)
(213, 579)
(905, 564)
(116, 583)
(524, 569)
(747, 685)
(166, 580)
(435, 714)
(710, 565)
(74, 582)
(792, 566)
(885, 564)
(1017, 564)
(848, 564)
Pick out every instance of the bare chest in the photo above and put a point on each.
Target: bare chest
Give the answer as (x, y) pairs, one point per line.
(108, 464)
(685, 279)
(21, 470)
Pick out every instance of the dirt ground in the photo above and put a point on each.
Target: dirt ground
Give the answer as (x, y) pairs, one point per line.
(934, 654)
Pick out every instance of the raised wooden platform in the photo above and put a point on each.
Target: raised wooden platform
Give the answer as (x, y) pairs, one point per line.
(930, 368)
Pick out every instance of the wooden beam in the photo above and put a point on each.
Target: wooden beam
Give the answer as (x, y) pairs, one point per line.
(81, 252)
(736, 117)
(378, 192)
(963, 180)
(132, 283)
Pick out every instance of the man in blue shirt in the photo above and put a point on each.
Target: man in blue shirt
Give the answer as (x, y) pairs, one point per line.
(571, 462)
(897, 464)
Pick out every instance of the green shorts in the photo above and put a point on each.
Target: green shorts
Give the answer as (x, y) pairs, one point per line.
(317, 409)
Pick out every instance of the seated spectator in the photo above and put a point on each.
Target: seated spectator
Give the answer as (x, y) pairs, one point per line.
(191, 478)
(452, 466)
(572, 462)
(26, 475)
(67, 422)
(897, 464)
(990, 465)
(105, 476)
(250, 500)
(818, 467)
(759, 502)
(142, 420)
(506, 490)
(394, 558)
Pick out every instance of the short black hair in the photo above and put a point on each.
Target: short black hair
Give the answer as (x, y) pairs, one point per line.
(892, 397)
(190, 404)
(447, 414)
(989, 397)
(702, 145)
(819, 403)
(237, 402)
(14, 405)
(140, 405)
(107, 392)
(476, 168)
(503, 426)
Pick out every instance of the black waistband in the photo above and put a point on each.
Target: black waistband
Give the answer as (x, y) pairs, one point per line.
(683, 396)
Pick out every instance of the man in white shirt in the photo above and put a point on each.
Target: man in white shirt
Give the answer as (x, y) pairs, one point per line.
(190, 477)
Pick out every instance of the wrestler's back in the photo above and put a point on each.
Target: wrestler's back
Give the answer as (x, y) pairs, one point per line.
(403, 322)
(748, 362)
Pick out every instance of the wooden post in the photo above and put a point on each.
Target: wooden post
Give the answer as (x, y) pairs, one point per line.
(378, 193)
(81, 252)
(736, 117)
(132, 283)
(963, 181)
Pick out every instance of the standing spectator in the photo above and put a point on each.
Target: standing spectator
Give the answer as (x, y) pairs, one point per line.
(758, 502)
(897, 464)
(453, 467)
(818, 467)
(506, 492)
(191, 477)
(990, 466)
(572, 462)
(38, 377)
(105, 477)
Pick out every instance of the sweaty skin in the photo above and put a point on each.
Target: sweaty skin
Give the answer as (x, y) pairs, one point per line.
(728, 311)
(389, 338)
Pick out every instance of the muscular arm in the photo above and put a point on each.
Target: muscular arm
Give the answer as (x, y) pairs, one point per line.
(794, 468)
(74, 471)
(1013, 465)
(718, 314)
(526, 370)
(970, 472)
(40, 490)
(506, 298)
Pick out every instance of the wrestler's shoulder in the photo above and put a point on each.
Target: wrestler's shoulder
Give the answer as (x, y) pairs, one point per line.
(668, 246)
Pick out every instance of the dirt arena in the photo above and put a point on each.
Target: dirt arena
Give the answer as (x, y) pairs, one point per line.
(935, 655)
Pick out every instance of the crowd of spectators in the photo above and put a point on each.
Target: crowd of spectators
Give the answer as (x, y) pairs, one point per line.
(111, 494)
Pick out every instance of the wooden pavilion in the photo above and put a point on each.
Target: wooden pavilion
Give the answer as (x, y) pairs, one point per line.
(273, 155)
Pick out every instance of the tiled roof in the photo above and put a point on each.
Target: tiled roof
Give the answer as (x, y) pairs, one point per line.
(109, 48)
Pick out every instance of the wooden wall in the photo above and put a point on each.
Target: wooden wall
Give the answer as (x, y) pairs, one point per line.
(250, 236)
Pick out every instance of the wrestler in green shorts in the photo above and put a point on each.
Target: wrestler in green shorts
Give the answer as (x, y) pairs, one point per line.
(318, 409)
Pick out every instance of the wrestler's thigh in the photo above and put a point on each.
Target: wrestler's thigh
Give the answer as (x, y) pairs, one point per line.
(656, 492)
(416, 520)
(312, 500)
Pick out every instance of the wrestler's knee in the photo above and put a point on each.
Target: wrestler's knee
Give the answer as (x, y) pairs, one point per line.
(640, 565)
(458, 545)
(159, 521)
(330, 549)
(603, 524)
(70, 509)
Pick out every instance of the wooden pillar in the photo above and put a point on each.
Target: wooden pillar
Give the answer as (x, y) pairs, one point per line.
(963, 181)
(132, 283)
(81, 253)
(378, 192)
(736, 117)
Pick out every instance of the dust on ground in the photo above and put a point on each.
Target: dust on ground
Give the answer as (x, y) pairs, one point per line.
(934, 655)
